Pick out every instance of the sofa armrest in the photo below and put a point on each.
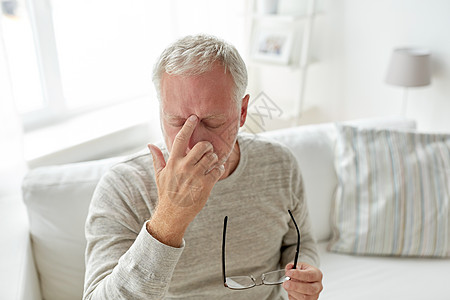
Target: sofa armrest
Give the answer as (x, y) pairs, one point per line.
(18, 279)
(29, 287)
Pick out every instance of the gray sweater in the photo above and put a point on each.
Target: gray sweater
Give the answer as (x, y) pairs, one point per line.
(123, 261)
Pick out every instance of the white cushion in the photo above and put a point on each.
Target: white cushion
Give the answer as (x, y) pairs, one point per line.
(312, 146)
(349, 277)
(57, 199)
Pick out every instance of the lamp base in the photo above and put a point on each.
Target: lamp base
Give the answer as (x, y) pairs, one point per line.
(404, 101)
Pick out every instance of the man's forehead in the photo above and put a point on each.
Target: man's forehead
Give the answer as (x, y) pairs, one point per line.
(172, 116)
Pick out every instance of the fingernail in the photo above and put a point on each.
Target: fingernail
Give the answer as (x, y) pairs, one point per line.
(193, 118)
(151, 150)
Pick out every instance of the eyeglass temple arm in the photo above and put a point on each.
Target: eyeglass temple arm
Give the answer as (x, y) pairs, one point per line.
(225, 220)
(298, 240)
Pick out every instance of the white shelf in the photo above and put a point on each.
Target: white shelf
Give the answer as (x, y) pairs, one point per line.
(301, 26)
(291, 66)
(280, 18)
(286, 17)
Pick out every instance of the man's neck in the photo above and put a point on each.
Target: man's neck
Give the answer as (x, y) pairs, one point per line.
(232, 162)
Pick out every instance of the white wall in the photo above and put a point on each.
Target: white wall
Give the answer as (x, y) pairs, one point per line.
(353, 41)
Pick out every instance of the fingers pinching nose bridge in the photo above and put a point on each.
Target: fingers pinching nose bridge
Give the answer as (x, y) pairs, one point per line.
(182, 138)
(192, 118)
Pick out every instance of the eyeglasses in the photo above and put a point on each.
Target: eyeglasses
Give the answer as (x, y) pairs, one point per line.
(246, 282)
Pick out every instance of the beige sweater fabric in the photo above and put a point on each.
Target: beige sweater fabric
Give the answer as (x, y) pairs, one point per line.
(123, 261)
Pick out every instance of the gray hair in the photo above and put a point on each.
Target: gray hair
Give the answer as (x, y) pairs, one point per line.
(195, 55)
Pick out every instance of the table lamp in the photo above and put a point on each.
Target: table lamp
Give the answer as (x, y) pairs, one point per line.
(409, 67)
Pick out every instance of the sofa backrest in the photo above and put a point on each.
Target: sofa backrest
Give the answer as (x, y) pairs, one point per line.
(57, 200)
(58, 197)
(313, 147)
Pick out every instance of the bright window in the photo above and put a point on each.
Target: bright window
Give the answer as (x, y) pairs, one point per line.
(69, 57)
(106, 48)
(21, 56)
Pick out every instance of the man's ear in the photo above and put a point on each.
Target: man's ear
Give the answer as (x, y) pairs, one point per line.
(244, 107)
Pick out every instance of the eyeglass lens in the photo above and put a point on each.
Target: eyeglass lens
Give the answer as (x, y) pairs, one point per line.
(245, 282)
(275, 277)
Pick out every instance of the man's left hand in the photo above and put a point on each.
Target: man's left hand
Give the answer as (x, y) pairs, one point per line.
(305, 282)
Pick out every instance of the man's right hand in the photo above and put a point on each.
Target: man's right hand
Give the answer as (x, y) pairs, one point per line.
(184, 184)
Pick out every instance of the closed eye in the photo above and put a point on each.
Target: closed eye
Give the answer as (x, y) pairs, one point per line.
(212, 125)
(178, 124)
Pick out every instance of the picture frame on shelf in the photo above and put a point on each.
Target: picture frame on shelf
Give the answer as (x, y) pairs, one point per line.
(273, 45)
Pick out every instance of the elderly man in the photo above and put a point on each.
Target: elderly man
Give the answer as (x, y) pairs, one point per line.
(155, 228)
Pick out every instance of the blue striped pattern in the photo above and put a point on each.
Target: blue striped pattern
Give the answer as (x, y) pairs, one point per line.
(393, 193)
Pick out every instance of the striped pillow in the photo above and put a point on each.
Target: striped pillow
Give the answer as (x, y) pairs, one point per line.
(393, 193)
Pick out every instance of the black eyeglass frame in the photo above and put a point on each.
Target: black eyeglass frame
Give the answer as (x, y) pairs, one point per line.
(225, 221)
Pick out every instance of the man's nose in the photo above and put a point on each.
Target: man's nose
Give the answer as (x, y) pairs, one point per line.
(198, 135)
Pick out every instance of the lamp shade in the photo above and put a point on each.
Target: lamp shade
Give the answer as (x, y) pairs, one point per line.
(409, 67)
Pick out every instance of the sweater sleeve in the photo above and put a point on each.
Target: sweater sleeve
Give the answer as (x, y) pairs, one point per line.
(123, 261)
(308, 247)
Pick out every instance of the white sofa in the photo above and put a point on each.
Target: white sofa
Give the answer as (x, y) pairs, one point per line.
(57, 200)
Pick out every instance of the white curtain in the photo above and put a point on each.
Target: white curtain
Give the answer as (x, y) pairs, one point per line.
(12, 163)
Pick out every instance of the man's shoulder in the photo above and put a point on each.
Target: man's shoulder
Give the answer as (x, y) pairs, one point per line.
(263, 152)
(135, 161)
(140, 161)
(129, 168)
(132, 174)
(257, 144)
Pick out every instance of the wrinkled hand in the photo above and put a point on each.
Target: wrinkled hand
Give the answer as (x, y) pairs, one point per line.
(305, 283)
(184, 182)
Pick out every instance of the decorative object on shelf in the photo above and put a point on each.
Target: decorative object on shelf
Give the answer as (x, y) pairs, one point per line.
(409, 67)
(273, 45)
(281, 40)
(267, 7)
(10, 7)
